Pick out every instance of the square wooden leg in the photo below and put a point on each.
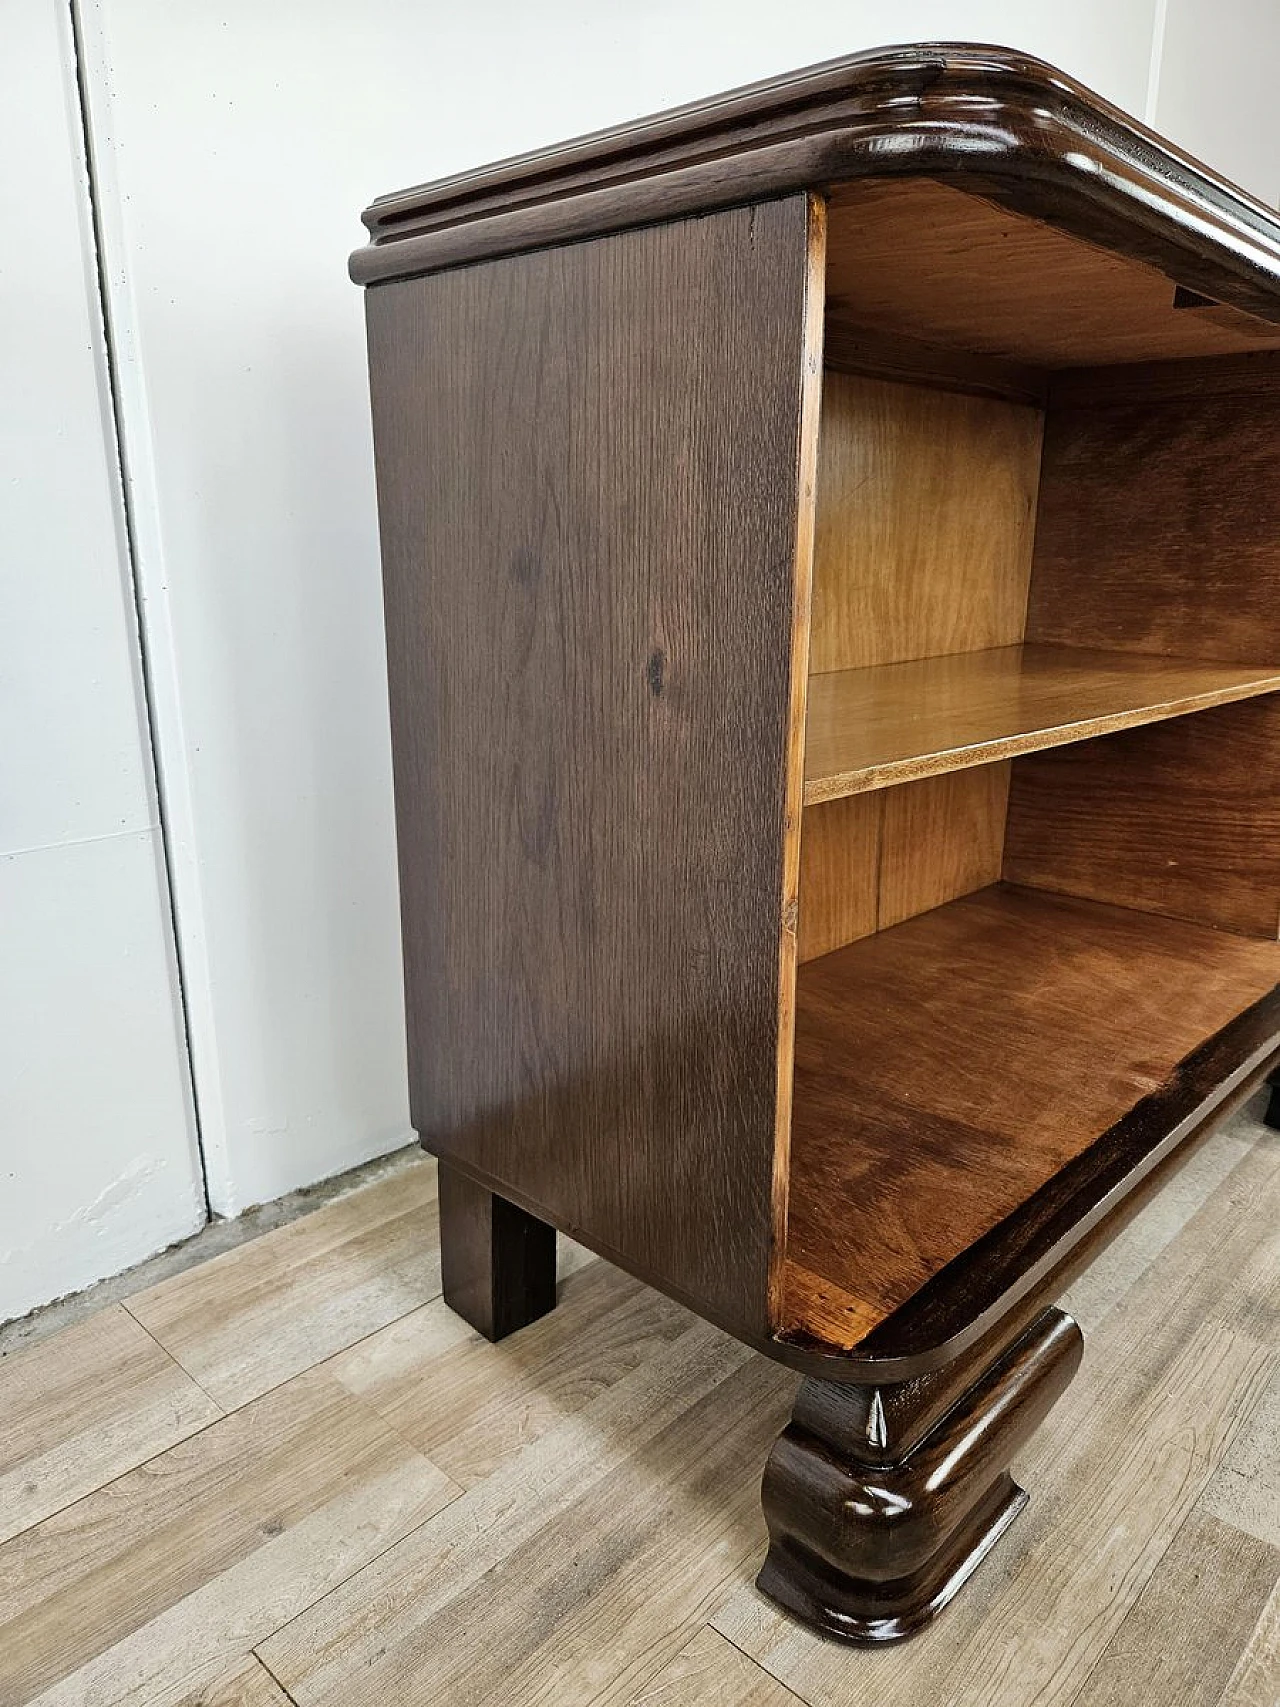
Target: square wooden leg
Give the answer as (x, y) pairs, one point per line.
(497, 1263)
(1271, 1117)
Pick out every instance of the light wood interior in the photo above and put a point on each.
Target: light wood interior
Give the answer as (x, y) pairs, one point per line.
(926, 505)
(1179, 818)
(1040, 845)
(922, 551)
(871, 728)
(920, 260)
(869, 861)
(963, 614)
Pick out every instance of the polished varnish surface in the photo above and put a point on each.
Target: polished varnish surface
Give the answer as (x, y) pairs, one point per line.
(948, 1069)
(882, 1502)
(1001, 125)
(616, 619)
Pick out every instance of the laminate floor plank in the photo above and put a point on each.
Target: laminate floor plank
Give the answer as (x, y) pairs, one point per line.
(249, 1684)
(1170, 1379)
(470, 1406)
(81, 1408)
(577, 1569)
(142, 1590)
(590, 1535)
(255, 1316)
(1255, 1680)
(711, 1672)
(1181, 1638)
(1246, 1491)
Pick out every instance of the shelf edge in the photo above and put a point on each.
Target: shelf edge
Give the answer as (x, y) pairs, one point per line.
(889, 773)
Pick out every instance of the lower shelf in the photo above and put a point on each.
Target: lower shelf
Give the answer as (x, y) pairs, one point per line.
(972, 1086)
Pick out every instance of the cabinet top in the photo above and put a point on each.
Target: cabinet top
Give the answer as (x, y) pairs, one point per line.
(1002, 125)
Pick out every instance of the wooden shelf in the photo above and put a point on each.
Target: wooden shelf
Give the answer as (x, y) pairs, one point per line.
(890, 723)
(955, 1069)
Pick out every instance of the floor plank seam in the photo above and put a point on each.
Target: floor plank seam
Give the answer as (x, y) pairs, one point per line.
(342, 1350)
(756, 1665)
(720, 1593)
(373, 1558)
(110, 1482)
(280, 1686)
(307, 1369)
(1231, 1695)
(1252, 1396)
(177, 1363)
(1217, 1255)
(1110, 1646)
(761, 1663)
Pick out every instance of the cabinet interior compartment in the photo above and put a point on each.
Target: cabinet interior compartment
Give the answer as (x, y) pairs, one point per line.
(1040, 846)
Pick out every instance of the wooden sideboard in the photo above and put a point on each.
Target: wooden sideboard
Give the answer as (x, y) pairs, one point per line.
(831, 544)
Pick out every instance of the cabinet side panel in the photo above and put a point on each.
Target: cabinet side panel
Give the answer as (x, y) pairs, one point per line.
(587, 471)
(926, 504)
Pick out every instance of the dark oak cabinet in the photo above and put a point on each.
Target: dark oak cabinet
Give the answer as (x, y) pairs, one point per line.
(831, 543)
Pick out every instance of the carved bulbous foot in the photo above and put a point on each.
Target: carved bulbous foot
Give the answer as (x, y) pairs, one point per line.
(882, 1501)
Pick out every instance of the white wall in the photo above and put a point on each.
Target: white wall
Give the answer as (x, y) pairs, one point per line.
(1215, 88)
(98, 1165)
(234, 144)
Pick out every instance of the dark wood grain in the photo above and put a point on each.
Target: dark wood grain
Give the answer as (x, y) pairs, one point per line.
(497, 1264)
(881, 1503)
(950, 1069)
(1000, 124)
(589, 483)
(1175, 818)
(594, 470)
(1158, 527)
(1130, 383)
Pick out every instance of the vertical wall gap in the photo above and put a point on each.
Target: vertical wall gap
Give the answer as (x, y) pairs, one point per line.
(119, 451)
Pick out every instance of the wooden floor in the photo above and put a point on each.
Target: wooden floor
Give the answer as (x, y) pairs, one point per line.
(291, 1474)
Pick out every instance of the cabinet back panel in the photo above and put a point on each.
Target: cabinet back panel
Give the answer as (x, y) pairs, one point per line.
(1180, 818)
(589, 481)
(926, 502)
(1159, 518)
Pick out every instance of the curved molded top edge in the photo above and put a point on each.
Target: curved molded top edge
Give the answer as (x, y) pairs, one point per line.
(1001, 124)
